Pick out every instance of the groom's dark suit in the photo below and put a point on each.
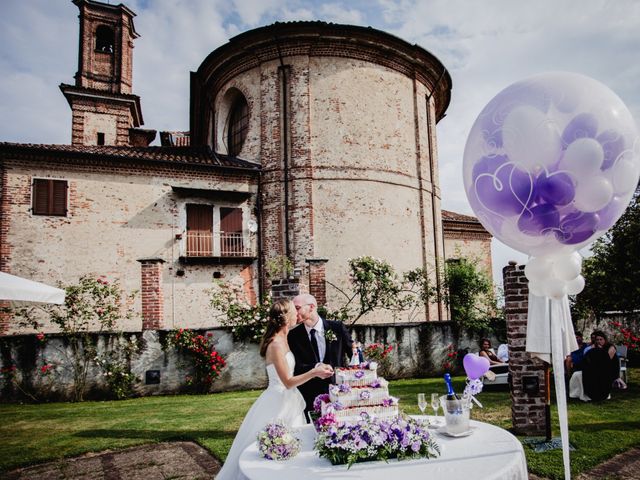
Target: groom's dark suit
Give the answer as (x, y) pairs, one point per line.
(336, 355)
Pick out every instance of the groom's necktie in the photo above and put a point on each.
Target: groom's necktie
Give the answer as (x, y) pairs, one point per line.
(314, 345)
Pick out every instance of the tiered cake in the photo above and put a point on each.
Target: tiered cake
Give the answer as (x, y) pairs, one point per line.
(358, 390)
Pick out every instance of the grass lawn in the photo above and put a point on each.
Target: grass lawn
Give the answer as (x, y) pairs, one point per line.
(32, 434)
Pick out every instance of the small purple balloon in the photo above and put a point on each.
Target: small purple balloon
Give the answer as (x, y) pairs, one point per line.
(556, 189)
(539, 220)
(500, 186)
(612, 145)
(583, 125)
(576, 227)
(475, 366)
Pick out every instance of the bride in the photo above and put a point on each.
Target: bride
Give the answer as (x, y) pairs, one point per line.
(281, 400)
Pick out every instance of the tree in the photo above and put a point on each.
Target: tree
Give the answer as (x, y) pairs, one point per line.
(612, 274)
(469, 294)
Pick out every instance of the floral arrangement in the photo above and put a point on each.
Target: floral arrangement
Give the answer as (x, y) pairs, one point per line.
(450, 360)
(276, 442)
(626, 336)
(207, 362)
(330, 336)
(378, 351)
(248, 322)
(375, 439)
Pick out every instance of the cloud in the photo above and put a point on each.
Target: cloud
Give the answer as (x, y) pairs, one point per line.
(485, 46)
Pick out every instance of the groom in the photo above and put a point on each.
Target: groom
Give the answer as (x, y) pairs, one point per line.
(316, 340)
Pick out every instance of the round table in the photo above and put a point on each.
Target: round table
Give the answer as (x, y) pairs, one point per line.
(488, 453)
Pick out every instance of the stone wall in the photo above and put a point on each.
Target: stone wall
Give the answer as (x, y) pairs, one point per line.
(419, 351)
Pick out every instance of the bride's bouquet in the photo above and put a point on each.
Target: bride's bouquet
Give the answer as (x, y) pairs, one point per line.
(276, 442)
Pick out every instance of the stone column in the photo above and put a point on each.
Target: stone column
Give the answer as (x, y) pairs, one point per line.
(152, 295)
(317, 283)
(527, 375)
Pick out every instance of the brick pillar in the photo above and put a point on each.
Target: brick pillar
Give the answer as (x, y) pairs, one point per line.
(152, 296)
(528, 408)
(317, 283)
(287, 288)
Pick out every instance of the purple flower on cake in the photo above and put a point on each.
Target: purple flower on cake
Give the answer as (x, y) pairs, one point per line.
(325, 421)
(359, 374)
(319, 400)
(388, 401)
(365, 395)
(376, 383)
(344, 388)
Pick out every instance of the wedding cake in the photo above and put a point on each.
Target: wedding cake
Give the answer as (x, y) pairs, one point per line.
(358, 390)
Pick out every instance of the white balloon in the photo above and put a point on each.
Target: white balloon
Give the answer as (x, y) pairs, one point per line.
(535, 288)
(567, 267)
(575, 286)
(583, 157)
(555, 288)
(538, 269)
(593, 193)
(530, 138)
(624, 176)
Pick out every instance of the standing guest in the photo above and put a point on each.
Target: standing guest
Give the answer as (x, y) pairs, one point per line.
(316, 341)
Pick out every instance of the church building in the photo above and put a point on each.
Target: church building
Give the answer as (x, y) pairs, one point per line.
(306, 140)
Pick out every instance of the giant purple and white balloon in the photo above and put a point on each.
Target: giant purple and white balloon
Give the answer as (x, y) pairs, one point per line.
(550, 164)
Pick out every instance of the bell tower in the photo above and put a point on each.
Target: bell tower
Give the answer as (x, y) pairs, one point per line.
(104, 110)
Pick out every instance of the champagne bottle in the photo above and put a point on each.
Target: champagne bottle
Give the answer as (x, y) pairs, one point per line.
(451, 395)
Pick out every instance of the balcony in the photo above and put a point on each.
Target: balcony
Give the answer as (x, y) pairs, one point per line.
(215, 248)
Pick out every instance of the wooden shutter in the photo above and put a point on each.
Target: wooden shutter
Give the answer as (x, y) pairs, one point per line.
(49, 197)
(231, 243)
(199, 230)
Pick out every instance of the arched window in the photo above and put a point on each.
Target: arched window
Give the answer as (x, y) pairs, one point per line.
(105, 39)
(238, 125)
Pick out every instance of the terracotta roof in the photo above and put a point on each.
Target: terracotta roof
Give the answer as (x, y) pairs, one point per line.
(178, 155)
(458, 217)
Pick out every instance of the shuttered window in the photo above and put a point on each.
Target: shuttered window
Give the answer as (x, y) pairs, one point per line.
(49, 197)
(199, 230)
(231, 242)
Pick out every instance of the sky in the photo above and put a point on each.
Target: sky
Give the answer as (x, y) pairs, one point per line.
(485, 45)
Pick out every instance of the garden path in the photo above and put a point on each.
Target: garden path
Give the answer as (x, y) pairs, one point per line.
(189, 461)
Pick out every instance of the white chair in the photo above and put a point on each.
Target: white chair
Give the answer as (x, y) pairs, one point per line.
(621, 350)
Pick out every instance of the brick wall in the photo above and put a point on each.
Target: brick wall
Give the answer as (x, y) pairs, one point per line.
(317, 283)
(528, 410)
(152, 297)
(287, 288)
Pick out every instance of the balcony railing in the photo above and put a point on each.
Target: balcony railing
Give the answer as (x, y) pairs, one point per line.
(205, 244)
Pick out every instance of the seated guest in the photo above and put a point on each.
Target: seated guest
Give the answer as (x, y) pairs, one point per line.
(487, 352)
(503, 352)
(600, 368)
(573, 362)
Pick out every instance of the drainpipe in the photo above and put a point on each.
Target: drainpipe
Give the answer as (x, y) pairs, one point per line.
(433, 206)
(258, 208)
(283, 71)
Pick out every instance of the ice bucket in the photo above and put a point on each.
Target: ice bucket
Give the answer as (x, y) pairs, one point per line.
(456, 415)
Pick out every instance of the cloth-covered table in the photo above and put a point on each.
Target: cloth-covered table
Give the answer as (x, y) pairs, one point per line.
(488, 453)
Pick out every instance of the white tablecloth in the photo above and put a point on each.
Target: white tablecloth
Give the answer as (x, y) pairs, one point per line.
(488, 453)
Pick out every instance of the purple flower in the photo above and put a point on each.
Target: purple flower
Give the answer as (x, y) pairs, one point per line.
(359, 374)
(365, 395)
(376, 383)
(319, 400)
(344, 388)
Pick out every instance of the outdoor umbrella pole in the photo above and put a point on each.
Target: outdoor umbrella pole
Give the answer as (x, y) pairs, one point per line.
(547, 407)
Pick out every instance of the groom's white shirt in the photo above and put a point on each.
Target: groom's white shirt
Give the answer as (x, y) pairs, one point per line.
(322, 342)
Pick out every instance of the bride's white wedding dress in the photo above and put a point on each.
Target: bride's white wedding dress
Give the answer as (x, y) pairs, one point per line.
(277, 402)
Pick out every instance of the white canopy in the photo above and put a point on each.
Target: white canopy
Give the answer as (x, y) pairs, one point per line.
(17, 288)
